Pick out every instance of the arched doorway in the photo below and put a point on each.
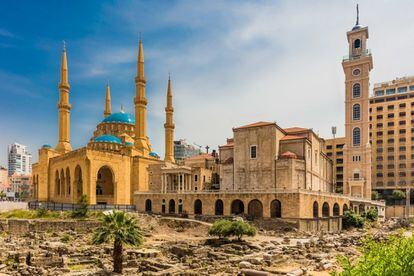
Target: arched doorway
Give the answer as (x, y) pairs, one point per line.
(336, 210)
(198, 207)
(361, 208)
(148, 205)
(344, 208)
(325, 209)
(237, 207)
(255, 209)
(219, 208)
(163, 206)
(315, 209)
(57, 184)
(171, 206)
(68, 189)
(62, 183)
(78, 181)
(180, 206)
(276, 209)
(105, 186)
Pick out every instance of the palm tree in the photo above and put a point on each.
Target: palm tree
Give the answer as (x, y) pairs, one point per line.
(120, 228)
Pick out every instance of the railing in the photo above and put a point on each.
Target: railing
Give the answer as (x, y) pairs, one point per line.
(357, 55)
(34, 205)
(356, 179)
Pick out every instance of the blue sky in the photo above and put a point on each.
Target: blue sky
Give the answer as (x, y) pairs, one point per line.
(232, 63)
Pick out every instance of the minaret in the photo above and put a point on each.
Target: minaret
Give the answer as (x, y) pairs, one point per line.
(140, 101)
(108, 111)
(169, 126)
(357, 66)
(64, 107)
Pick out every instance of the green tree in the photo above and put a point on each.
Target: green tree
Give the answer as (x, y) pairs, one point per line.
(374, 195)
(371, 214)
(352, 219)
(225, 228)
(398, 194)
(120, 228)
(2, 195)
(394, 256)
(81, 210)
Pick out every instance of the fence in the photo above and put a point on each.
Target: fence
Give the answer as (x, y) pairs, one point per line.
(34, 205)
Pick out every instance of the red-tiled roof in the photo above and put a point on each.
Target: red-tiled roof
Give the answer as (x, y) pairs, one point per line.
(292, 137)
(295, 129)
(289, 154)
(257, 124)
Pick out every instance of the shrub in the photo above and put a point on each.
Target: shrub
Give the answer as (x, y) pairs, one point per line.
(65, 238)
(371, 214)
(225, 228)
(375, 195)
(81, 210)
(220, 228)
(41, 212)
(351, 219)
(394, 256)
(398, 194)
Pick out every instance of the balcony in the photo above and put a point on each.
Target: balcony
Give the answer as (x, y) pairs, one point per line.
(357, 55)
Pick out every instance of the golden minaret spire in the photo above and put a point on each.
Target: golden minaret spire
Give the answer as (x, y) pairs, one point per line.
(64, 106)
(107, 111)
(140, 101)
(169, 126)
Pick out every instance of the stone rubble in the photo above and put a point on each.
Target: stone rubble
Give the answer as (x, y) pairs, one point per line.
(269, 253)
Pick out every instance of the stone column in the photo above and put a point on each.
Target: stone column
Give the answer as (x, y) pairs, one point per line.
(162, 183)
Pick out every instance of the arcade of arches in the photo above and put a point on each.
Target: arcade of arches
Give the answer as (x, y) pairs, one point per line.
(254, 206)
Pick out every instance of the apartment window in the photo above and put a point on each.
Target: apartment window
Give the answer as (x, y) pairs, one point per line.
(412, 156)
(390, 174)
(390, 149)
(390, 158)
(380, 183)
(411, 87)
(339, 146)
(401, 123)
(402, 89)
(402, 166)
(195, 178)
(329, 147)
(356, 111)
(390, 91)
(379, 133)
(356, 90)
(390, 124)
(380, 158)
(356, 137)
(339, 161)
(391, 115)
(402, 105)
(390, 140)
(390, 132)
(329, 154)
(402, 131)
(253, 152)
(379, 142)
(379, 125)
(379, 167)
(402, 114)
(356, 158)
(379, 93)
(402, 139)
(402, 148)
(412, 165)
(390, 183)
(402, 157)
(379, 175)
(412, 112)
(401, 174)
(390, 166)
(379, 117)
(379, 108)
(390, 107)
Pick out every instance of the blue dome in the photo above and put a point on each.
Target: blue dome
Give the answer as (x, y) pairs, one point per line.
(129, 143)
(46, 146)
(154, 154)
(121, 117)
(108, 139)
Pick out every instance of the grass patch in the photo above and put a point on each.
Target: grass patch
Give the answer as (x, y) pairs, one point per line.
(44, 214)
(76, 267)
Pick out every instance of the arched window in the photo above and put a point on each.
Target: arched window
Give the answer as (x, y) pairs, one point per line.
(356, 90)
(198, 207)
(356, 137)
(148, 205)
(325, 209)
(336, 210)
(180, 206)
(356, 112)
(219, 207)
(357, 43)
(315, 209)
(163, 206)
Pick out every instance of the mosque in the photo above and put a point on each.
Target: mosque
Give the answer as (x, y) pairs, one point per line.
(114, 164)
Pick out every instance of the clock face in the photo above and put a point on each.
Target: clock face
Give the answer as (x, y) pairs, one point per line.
(356, 72)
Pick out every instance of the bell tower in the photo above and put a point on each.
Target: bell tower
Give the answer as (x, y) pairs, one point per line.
(357, 66)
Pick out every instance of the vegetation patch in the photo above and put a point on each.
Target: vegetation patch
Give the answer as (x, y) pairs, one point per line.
(225, 228)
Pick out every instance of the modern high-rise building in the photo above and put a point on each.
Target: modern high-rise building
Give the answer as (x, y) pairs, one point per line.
(392, 135)
(183, 150)
(19, 160)
(334, 149)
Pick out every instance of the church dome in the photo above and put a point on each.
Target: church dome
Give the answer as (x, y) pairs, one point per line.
(120, 117)
(108, 139)
(154, 154)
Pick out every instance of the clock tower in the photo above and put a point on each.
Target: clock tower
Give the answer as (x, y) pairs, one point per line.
(357, 151)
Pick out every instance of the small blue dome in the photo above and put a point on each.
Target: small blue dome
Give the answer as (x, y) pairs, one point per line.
(154, 154)
(108, 139)
(129, 144)
(120, 117)
(46, 146)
